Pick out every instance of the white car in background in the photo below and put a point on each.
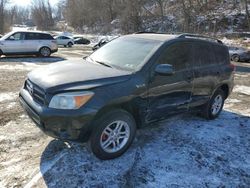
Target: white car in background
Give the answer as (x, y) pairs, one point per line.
(28, 43)
(65, 41)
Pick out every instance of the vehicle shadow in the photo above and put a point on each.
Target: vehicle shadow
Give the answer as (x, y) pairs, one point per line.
(158, 147)
(32, 59)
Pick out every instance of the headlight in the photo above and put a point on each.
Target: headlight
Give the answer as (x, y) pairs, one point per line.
(70, 100)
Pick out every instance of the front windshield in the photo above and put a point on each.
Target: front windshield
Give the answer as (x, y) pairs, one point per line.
(127, 53)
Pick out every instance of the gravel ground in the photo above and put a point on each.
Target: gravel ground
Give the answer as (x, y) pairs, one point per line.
(183, 151)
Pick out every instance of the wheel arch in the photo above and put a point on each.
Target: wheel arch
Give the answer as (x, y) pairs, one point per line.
(126, 106)
(225, 89)
(40, 47)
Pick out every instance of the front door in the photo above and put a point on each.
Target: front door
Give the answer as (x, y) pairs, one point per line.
(169, 95)
(14, 44)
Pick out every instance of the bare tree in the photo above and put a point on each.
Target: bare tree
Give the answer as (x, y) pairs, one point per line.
(3, 4)
(41, 13)
(247, 4)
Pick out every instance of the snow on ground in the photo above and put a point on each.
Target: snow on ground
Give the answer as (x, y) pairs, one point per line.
(242, 89)
(7, 96)
(19, 67)
(184, 151)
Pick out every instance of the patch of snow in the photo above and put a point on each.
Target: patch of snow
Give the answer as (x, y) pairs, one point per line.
(11, 105)
(7, 96)
(233, 101)
(242, 89)
(46, 167)
(20, 67)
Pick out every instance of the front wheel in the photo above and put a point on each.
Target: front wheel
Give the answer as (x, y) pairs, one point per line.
(45, 52)
(113, 135)
(214, 106)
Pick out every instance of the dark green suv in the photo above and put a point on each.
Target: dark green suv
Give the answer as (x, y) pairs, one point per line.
(130, 82)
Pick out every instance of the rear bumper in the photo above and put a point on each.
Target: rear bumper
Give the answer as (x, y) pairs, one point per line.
(68, 125)
(54, 51)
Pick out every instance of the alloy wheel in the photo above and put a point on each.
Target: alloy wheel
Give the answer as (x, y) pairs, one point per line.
(115, 136)
(217, 104)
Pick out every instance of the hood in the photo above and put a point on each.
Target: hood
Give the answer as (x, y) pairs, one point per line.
(76, 75)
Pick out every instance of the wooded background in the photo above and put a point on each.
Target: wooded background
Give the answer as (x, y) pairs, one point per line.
(128, 16)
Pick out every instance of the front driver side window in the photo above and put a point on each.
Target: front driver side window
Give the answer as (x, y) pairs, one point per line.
(16, 36)
(178, 55)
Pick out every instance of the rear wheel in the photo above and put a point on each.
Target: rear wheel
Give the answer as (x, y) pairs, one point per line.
(113, 135)
(213, 108)
(236, 58)
(70, 44)
(45, 52)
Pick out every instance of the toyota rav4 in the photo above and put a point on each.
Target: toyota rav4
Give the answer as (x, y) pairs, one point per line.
(130, 82)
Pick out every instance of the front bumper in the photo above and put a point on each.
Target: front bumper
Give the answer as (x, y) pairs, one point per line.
(68, 125)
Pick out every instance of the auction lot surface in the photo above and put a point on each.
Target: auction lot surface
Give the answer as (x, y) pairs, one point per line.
(183, 151)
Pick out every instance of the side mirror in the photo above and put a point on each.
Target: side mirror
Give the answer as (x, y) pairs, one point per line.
(164, 69)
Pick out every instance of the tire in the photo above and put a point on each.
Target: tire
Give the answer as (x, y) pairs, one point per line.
(236, 58)
(70, 44)
(103, 141)
(45, 52)
(214, 106)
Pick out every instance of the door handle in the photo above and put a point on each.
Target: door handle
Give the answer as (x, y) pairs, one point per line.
(189, 78)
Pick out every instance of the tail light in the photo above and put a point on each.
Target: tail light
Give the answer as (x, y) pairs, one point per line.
(54, 41)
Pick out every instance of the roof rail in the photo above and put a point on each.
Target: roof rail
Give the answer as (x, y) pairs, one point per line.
(187, 35)
(141, 32)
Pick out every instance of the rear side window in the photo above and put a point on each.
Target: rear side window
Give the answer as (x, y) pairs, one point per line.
(65, 38)
(38, 36)
(203, 54)
(31, 36)
(179, 55)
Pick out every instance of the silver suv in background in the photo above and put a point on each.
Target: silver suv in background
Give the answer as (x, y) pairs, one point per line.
(65, 41)
(28, 43)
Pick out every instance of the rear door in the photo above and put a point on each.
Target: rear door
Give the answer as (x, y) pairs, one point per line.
(32, 41)
(171, 94)
(207, 71)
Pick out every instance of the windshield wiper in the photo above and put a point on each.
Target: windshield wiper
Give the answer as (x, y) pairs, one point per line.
(99, 62)
(103, 63)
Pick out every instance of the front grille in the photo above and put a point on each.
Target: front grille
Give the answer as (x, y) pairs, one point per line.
(37, 93)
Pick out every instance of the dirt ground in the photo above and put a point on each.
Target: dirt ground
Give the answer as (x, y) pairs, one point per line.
(183, 151)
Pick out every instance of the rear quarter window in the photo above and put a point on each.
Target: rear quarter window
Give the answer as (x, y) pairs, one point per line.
(221, 54)
(46, 37)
